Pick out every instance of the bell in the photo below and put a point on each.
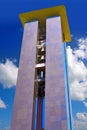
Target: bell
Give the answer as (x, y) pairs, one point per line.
(42, 50)
(41, 41)
(42, 59)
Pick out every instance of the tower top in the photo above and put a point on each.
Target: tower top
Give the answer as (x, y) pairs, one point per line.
(43, 14)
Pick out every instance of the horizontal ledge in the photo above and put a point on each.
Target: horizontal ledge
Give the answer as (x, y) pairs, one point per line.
(40, 65)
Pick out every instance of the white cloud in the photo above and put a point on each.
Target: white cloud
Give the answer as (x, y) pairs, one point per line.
(82, 51)
(78, 70)
(8, 73)
(85, 104)
(2, 104)
(80, 123)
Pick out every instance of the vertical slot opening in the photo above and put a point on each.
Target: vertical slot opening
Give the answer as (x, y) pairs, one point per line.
(39, 85)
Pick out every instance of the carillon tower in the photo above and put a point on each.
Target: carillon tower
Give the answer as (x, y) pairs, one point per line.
(42, 100)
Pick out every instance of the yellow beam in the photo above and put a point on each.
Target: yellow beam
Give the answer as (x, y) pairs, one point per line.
(42, 15)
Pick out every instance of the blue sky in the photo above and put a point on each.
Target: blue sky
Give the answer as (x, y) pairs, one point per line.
(11, 32)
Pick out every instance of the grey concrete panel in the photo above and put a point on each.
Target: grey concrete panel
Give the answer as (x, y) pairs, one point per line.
(23, 105)
(55, 105)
